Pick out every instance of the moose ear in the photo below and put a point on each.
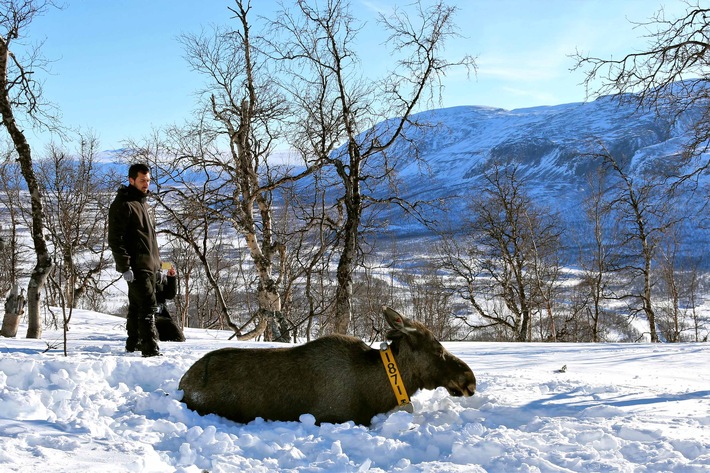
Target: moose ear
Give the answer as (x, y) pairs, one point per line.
(393, 318)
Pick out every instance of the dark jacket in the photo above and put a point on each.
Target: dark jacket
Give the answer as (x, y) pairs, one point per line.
(131, 233)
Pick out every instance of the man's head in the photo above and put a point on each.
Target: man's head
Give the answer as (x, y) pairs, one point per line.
(139, 176)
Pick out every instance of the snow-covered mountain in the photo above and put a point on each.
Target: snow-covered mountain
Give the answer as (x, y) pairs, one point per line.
(553, 147)
(551, 144)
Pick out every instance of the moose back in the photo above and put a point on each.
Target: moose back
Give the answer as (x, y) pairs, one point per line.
(335, 378)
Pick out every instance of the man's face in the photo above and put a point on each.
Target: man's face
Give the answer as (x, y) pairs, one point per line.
(142, 182)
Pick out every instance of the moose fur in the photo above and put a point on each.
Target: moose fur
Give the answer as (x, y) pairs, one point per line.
(335, 378)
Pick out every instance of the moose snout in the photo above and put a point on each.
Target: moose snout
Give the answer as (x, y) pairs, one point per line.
(464, 386)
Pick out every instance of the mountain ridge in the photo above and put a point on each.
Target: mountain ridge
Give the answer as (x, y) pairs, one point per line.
(547, 142)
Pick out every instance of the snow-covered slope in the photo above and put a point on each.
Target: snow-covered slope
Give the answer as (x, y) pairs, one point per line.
(616, 407)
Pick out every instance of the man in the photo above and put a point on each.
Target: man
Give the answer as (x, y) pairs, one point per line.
(131, 236)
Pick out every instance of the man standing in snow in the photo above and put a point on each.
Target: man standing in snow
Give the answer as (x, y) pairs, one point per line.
(131, 236)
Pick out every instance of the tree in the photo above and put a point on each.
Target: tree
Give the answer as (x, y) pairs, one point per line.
(597, 259)
(506, 257)
(671, 320)
(243, 111)
(20, 92)
(693, 287)
(671, 74)
(643, 207)
(184, 213)
(347, 122)
(310, 234)
(431, 300)
(12, 251)
(679, 286)
(77, 201)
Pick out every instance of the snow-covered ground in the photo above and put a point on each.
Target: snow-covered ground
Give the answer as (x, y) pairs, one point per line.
(620, 408)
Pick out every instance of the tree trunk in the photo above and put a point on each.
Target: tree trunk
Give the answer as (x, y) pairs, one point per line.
(14, 308)
(346, 267)
(268, 296)
(647, 298)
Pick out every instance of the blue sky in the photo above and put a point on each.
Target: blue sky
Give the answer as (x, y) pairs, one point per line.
(119, 71)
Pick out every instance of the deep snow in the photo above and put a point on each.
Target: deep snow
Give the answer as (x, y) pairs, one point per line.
(617, 407)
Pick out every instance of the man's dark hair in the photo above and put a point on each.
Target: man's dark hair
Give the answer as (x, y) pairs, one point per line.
(137, 168)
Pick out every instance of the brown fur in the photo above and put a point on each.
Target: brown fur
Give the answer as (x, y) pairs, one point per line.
(335, 378)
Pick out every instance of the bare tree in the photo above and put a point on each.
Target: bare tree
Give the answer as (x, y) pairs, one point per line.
(310, 234)
(243, 112)
(693, 288)
(197, 238)
(507, 257)
(12, 251)
(679, 281)
(597, 259)
(20, 92)
(339, 108)
(670, 74)
(431, 300)
(671, 318)
(76, 202)
(642, 205)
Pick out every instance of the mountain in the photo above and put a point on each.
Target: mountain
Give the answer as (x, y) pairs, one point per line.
(550, 144)
(552, 147)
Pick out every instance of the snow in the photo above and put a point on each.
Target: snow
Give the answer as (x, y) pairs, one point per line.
(616, 407)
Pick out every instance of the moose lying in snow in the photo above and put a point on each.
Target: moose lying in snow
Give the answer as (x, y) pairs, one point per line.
(335, 378)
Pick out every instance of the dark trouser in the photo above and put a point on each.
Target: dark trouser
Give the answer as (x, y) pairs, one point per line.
(142, 308)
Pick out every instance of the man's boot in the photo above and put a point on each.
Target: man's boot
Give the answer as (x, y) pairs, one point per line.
(149, 336)
(133, 342)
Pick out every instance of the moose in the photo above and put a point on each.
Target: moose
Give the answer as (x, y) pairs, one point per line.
(335, 378)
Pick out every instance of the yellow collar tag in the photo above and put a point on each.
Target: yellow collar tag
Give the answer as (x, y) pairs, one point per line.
(400, 392)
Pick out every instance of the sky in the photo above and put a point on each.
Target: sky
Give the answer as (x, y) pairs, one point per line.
(633, 407)
(119, 72)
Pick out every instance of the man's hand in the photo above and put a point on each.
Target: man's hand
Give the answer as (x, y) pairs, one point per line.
(128, 275)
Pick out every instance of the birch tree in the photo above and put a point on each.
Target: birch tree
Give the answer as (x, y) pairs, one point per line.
(338, 107)
(76, 189)
(21, 94)
(243, 110)
(598, 255)
(642, 205)
(507, 257)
